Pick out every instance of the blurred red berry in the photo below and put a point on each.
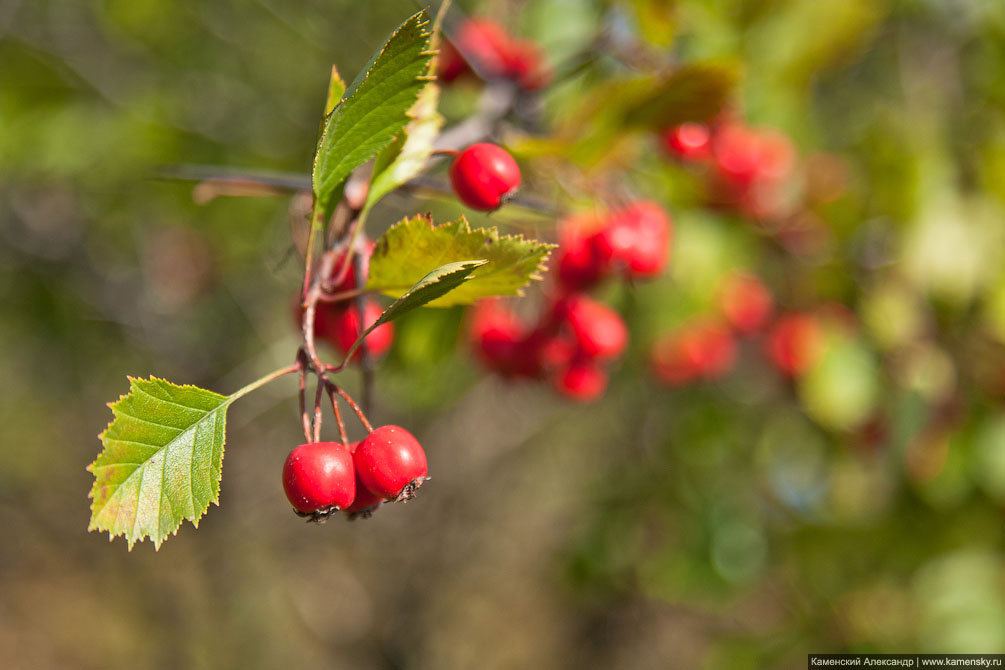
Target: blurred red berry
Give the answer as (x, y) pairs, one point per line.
(347, 328)
(647, 256)
(496, 54)
(700, 350)
(346, 281)
(599, 331)
(580, 266)
(498, 336)
(746, 302)
(584, 380)
(794, 342)
(688, 141)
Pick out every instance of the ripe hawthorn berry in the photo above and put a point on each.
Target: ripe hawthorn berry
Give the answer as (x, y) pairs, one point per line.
(746, 302)
(391, 463)
(484, 175)
(599, 331)
(688, 141)
(584, 380)
(319, 476)
(346, 328)
(366, 501)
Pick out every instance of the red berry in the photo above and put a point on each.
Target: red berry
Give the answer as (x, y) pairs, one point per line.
(485, 42)
(495, 53)
(652, 230)
(600, 332)
(794, 342)
(526, 66)
(318, 476)
(735, 149)
(391, 463)
(688, 141)
(366, 500)
(325, 317)
(700, 350)
(584, 380)
(347, 328)
(348, 282)
(746, 302)
(580, 263)
(484, 175)
(498, 337)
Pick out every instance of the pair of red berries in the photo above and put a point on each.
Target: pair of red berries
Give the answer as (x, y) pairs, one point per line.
(339, 322)
(750, 168)
(496, 55)
(320, 478)
(633, 242)
(574, 340)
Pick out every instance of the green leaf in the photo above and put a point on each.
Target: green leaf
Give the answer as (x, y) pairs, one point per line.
(692, 93)
(436, 284)
(336, 88)
(161, 461)
(406, 251)
(405, 157)
(372, 111)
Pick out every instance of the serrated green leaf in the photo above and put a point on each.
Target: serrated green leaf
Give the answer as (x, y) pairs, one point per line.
(336, 88)
(161, 461)
(405, 157)
(372, 111)
(435, 284)
(406, 251)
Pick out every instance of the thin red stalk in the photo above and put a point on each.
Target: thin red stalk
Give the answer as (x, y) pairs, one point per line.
(338, 414)
(317, 411)
(355, 408)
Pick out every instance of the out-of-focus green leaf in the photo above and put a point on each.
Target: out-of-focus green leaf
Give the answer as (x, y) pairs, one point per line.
(161, 462)
(839, 391)
(406, 251)
(693, 92)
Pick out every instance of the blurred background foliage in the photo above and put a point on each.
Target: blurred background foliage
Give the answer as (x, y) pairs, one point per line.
(736, 523)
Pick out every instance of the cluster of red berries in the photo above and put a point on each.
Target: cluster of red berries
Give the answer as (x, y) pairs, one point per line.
(321, 478)
(632, 242)
(706, 347)
(338, 323)
(576, 338)
(496, 55)
(747, 169)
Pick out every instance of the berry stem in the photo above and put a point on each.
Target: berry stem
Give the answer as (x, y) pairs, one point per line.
(317, 409)
(338, 413)
(366, 360)
(304, 419)
(355, 408)
(258, 383)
